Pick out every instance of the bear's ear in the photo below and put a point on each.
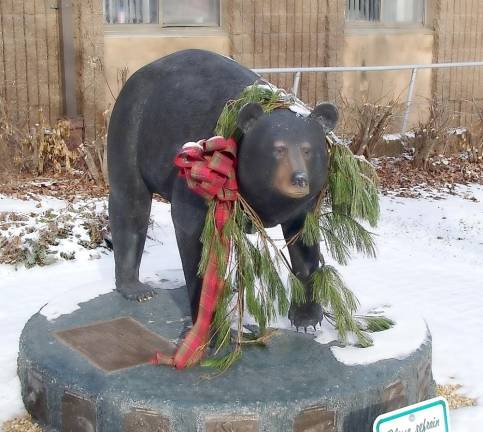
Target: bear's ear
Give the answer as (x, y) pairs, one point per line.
(248, 115)
(326, 114)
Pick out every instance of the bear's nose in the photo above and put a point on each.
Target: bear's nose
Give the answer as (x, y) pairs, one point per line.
(299, 179)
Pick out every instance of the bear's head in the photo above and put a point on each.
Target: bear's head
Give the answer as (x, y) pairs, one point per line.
(282, 158)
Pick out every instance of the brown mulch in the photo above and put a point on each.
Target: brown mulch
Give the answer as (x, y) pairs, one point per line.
(442, 174)
(395, 174)
(67, 187)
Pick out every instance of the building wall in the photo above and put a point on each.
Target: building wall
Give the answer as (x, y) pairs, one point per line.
(459, 37)
(88, 35)
(30, 75)
(284, 33)
(257, 33)
(132, 51)
(371, 46)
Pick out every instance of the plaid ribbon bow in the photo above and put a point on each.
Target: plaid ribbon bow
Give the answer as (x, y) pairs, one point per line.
(209, 169)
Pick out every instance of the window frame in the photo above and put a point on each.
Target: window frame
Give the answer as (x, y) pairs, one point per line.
(391, 25)
(159, 27)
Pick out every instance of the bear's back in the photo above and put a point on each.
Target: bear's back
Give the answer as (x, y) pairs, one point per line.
(169, 102)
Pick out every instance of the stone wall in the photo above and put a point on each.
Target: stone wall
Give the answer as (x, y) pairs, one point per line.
(284, 33)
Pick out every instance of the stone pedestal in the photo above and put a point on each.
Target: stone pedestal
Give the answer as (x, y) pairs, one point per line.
(87, 372)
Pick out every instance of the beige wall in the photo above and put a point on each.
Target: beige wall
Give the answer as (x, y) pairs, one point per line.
(136, 50)
(368, 47)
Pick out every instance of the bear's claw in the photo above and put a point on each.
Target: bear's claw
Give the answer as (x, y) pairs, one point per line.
(305, 315)
(136, 291)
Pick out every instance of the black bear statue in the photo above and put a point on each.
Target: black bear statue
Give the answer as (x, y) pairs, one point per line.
(282, 164)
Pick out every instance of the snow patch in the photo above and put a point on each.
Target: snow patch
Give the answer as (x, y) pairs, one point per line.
(396, 343)
(8, 204)
(70, 300)
(429, 265)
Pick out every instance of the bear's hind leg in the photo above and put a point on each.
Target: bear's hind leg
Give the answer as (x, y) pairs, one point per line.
(129, 213)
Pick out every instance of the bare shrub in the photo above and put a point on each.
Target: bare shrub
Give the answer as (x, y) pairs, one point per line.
(474, 142)
(41, 150)
(49, 146)
(95, 153)
(14, 148)
(11, 250)
(431, 136)
(122, 76)
(366, 123)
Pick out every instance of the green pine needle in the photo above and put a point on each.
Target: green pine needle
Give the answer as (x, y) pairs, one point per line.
(311, 230)
(297, 289)
(224, 362)
(353, 185)
(342, 234)
(377, 323)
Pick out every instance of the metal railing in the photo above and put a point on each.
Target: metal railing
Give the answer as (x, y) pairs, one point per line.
(414, 68)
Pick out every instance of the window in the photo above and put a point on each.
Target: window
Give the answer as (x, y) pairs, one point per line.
(169, 13)
(386, 11)
(131, 11)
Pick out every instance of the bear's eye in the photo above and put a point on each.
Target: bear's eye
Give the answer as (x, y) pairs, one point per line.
(279, 150)
(306, 150)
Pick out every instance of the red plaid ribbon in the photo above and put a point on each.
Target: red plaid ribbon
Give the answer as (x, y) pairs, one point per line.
(209, 169)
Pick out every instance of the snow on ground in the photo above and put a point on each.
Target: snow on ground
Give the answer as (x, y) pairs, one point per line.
(430, 265)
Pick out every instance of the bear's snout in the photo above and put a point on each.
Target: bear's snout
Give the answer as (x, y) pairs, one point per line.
(300, 179)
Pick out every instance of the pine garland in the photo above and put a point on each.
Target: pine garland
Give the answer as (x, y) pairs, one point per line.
(252, 277)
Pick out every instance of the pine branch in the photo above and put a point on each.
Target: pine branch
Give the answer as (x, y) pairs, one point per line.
(251, 271)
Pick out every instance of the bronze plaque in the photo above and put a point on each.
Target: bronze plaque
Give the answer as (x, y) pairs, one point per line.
(233, 423)
(315, 419)
(395, 396)
(140, 420)
(78, 414)
(116, 344)
(36, 397)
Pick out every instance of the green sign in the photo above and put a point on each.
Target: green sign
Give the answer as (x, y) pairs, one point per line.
(428, 416)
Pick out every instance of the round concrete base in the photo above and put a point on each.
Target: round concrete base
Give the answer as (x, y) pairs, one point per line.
(86, 372)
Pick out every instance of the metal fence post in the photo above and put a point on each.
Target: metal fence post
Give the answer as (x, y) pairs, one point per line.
(296, 83)
(68, 58)
(409, 100)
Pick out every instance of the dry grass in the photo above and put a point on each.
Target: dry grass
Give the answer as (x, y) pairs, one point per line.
(43, 149)
(455, 400)
(23, 424)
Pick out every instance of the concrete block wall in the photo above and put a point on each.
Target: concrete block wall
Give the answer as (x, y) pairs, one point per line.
(284, 33)
(30, 74)
(31, 61)
(458, 28)
(88, 22)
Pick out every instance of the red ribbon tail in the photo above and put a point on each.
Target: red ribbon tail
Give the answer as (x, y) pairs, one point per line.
(161, 359)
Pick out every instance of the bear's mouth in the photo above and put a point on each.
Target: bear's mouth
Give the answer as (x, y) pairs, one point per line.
(296, 193)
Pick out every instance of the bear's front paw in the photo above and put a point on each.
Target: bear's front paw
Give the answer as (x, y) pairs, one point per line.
(136, 291)
(305, 315)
